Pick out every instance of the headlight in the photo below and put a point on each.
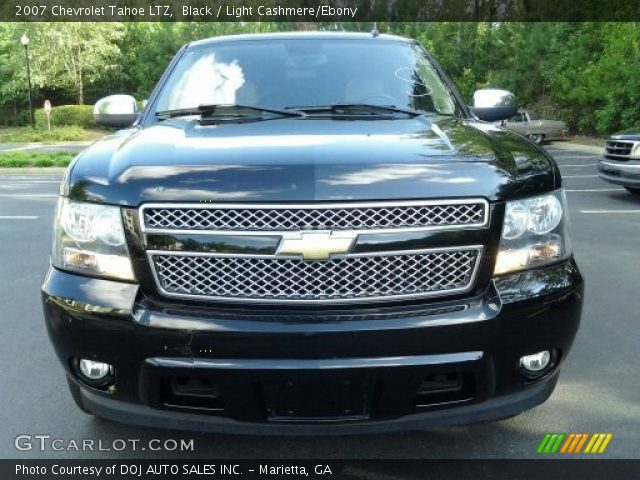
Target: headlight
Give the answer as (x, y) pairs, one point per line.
(89, 239)
(635, 151)
(534, 233)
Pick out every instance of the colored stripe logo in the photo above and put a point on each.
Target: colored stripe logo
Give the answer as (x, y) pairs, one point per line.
(574, 443)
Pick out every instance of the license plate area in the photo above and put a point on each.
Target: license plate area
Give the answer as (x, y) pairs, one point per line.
(318, 398)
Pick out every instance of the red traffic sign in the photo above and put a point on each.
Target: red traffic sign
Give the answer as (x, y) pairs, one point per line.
(47, 107)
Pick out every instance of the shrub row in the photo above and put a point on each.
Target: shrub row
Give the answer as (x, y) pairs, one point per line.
(67, 115)
(57, 134)
(21, 159)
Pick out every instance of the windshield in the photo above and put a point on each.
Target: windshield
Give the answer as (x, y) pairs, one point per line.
(306, 73)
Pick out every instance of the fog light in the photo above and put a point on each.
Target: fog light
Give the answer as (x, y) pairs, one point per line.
(94, 370)
(536, 362)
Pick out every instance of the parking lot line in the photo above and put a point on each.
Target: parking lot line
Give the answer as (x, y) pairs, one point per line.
(21, 148)
(615, 212)
(562, 156)
(17, 195)
(18, 217)
(23, 176)
(20, 182)
(578, 166)
(579, 190)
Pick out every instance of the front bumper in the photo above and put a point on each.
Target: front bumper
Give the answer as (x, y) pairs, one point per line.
(556, 135)
(626, 172)
(309, 372)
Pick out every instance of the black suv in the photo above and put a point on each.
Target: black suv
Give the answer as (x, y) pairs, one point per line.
(310, 233)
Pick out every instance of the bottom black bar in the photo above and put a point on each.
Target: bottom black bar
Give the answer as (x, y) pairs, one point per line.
(586, 469)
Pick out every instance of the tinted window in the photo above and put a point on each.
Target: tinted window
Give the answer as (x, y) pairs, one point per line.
(307, 72)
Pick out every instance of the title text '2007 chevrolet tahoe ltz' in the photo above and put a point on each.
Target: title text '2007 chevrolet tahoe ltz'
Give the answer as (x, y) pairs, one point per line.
(310, 233)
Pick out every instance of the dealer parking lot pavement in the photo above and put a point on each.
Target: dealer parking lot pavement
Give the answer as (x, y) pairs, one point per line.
(597, 392)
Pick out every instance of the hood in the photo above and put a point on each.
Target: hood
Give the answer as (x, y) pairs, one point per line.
(629, 134)
(308, 160)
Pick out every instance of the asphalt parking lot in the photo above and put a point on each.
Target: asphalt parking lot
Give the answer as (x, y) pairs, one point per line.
(598, 389)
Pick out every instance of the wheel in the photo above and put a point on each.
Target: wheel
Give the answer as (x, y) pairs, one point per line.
(634, 190)
(536, 138)
(77, 396)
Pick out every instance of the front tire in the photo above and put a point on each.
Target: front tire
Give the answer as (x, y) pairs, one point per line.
(634, 190)
(536, 138)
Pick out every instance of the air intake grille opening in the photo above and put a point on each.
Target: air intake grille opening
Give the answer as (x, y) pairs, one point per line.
(191, 393)
(443, 388)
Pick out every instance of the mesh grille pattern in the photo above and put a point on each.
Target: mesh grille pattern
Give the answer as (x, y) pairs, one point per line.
(321, 218)
(282, 279)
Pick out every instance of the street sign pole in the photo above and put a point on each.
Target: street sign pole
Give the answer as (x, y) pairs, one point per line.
(47, 113)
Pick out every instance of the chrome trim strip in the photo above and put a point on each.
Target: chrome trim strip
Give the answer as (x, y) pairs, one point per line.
(319, 364)
(315, 325)
(386, 298)
(312, 206)
(623, 166)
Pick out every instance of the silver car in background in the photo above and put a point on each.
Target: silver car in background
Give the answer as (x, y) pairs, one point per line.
(620, 164)
(536, 129)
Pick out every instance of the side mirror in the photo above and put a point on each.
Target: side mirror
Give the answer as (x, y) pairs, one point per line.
(116, 111)
(491, 104)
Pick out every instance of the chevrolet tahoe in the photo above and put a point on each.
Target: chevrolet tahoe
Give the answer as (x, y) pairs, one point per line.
(310, 233)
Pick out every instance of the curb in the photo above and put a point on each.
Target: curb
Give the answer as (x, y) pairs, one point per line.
(32, 170)
(577, 146)
(74, 143)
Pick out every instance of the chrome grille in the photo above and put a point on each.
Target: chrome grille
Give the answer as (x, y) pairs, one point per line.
(343, 278)
(618, 149)
(278, 218)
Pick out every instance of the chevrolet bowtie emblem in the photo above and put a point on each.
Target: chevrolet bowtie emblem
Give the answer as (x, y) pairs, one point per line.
(317, 245)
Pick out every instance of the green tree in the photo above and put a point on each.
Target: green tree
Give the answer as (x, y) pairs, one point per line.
(80, 53)
(585, 73)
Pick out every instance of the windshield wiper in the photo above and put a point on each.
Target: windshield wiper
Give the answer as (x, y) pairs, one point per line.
(357, 109)
(225, 110)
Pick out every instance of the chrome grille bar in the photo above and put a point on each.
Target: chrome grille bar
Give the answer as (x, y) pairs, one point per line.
(359, 217)
(618, 149)
(343, 278)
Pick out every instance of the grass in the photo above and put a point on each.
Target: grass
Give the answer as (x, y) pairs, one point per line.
(23, 159)
(56, 135)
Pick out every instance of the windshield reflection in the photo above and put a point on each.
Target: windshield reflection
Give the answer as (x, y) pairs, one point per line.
(277, 73)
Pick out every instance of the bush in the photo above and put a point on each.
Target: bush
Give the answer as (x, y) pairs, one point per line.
(57, 134)
(11, 118)
(67, 115)
(22, 159)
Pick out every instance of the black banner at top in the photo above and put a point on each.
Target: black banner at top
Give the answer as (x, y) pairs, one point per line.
(328, 11)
